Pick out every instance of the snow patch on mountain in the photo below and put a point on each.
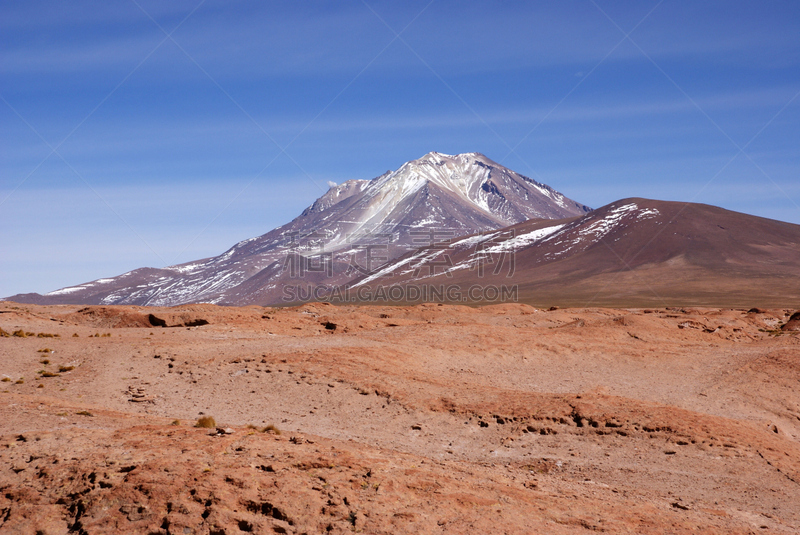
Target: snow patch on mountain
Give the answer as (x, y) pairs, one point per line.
(597, 230)
(68, 290)
(603, 226)
(523, 240)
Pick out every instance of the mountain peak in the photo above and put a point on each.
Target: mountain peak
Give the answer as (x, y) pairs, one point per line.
(473, 180)
(440, 157)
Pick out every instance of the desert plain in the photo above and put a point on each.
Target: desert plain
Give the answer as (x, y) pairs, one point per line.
(415, 419)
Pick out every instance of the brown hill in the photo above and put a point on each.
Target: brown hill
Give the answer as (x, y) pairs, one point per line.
(633, 252)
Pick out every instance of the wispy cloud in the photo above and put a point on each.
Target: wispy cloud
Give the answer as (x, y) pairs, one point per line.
(264, 40)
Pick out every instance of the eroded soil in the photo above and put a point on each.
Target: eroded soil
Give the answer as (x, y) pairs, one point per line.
(424, 419)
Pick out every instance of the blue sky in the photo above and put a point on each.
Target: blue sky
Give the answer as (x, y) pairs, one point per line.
(143, 133)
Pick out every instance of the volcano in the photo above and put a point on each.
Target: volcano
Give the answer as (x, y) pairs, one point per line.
(350, 230)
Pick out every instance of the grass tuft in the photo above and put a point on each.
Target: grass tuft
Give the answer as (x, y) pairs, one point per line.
(206, 421)
(271, 429)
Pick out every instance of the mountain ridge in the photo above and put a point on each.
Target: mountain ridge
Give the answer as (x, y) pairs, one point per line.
(451, 194)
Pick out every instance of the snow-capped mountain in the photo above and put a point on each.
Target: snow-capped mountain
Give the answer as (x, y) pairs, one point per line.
(350, 230)
(451, 195)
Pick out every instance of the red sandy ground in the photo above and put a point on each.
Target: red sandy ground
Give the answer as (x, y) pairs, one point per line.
(423, 419)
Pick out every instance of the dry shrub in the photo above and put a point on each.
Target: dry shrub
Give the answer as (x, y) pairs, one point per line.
(63, 369)
(271, 429)
(206, 421)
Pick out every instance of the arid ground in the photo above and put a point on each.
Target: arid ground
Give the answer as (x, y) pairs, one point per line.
(421, 419)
